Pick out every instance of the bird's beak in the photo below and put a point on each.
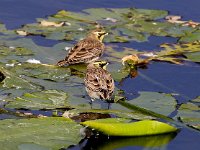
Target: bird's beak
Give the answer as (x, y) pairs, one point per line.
(104, 33)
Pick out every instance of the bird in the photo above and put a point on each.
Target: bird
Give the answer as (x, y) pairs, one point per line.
(87, 50)
(99, 83)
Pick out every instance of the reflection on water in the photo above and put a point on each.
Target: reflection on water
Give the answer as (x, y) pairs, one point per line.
(110, 143)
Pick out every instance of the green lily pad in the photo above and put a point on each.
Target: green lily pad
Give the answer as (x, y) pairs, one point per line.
(160, 103)
(189, 113)
(10, 53)
(13, 81)
(123, 24)
(49, 99)
(41, 133)
(19, 51)
(170, 52)
(191, 37)
(114, 110)
(195, 57)
(114, 127)
(42, 71)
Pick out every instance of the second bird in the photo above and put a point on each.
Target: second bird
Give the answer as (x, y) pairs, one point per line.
(99, 83)
(87, 50)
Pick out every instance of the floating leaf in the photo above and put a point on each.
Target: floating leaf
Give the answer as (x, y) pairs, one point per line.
(41, 71)
(40, 133)
(173, 53)
(49, 99)
(191, 37)
(18, 51)
(195, 57)
(189, 113)
(113, 127)
(13, 81)
(134, 24)
(114, 110)
(158, 102)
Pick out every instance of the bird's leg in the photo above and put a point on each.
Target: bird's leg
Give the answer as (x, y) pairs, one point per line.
(90, 102)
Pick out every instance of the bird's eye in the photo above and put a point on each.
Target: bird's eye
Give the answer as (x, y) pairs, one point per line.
(107, 81)
(99, 36)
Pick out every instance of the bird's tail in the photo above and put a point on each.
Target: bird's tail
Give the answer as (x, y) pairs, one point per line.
(62, 63)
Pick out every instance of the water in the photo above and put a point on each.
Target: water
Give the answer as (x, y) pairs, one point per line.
(159, 77)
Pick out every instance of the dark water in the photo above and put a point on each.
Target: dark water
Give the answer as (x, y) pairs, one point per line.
(15, 13)
(159, 77)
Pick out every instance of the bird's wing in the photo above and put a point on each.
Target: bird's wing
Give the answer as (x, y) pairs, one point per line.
(92, 80)
(85, 50)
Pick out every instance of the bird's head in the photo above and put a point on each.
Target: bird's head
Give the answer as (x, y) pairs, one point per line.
(98, 34)
(101, 64)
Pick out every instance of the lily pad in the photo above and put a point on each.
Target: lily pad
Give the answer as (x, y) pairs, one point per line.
(160, 103)
(43, 133)
(114, 111)
(170, 51)
(42, 71)
(19, 51)
(10, 53)
(189, 113)
(195, 57)
(123, 24)
(114, 127)
(49, 99)
(191, 37)
(13, 81)
(173, 53)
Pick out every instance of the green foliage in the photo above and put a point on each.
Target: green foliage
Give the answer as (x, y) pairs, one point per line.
(158, 102)
(134, 24)
(49, 99)
(114, 127)
(41, 133)
(189, 113)
(43, 86)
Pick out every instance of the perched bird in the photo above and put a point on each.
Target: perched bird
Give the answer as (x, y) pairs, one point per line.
(87, 50)
(98, 81)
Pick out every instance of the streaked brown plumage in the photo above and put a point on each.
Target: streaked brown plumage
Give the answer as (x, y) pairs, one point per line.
(98, 82)
(87, 50)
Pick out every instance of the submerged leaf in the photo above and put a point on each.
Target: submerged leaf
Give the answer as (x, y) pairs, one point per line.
(113, 127)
